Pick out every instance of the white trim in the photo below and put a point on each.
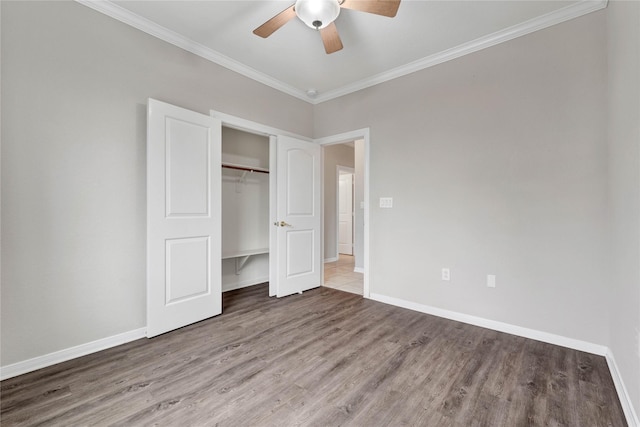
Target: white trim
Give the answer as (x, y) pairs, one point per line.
(367, 184)
(244, 284)
(273, 231)
(623, 395)
(322, 219)
(245, 125)
(126, 16)
(344, 137)
(60, 356)
(547, 337)
(358, 270)
(121, 14)
(332, 259)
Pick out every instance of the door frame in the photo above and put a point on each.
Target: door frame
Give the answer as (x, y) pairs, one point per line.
(345, 170)
(256, 128)
(340, 139)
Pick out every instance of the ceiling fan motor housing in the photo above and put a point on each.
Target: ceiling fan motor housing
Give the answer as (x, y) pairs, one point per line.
(317, 14)
(320, 14)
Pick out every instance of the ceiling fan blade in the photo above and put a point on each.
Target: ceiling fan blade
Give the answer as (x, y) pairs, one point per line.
(379, 7)
(269, 27)
(331, 38)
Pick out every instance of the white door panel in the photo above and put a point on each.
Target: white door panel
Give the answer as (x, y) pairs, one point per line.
(300, 180)
(298, 216)
(187, 272)
(183, 217)
(187, 168)
(300, 261)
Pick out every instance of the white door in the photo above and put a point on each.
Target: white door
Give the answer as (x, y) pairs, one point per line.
(345, 213)
(298, 219)
(183, 217)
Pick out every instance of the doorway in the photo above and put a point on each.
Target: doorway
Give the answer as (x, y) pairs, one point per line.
(295, 202)
(345, 215)
(344, 207)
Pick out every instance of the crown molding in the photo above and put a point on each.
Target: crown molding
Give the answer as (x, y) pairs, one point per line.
(556, 17)
(561, 15)
(123, 15)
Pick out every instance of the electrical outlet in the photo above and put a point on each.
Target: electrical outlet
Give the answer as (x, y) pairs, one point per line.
(446, 274)
(491, 280)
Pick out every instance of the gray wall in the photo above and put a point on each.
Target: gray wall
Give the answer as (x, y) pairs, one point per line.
(497, 164)
(75, 85)
(623, 285)
(510, 161)
(334, 155)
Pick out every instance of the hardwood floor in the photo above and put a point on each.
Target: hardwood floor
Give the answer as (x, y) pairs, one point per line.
(324, 358)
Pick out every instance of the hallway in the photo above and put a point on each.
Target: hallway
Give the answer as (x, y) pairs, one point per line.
(340, 275)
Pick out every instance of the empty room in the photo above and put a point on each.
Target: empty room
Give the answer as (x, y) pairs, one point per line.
(171, 207)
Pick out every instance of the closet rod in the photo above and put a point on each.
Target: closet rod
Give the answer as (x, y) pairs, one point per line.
(244, 168)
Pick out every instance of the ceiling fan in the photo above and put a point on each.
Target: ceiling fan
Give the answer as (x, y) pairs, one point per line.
(321, 14)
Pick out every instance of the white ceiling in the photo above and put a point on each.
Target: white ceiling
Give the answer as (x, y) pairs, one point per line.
(376, 48)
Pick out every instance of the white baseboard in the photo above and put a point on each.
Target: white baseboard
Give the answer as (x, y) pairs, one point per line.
(623, 395)
(358, 270)
(333, 259)
(587, 347)
(244, 284)
(50, 359)
(30, 365)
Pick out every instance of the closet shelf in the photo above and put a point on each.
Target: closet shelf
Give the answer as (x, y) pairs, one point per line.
(242, 257)
(244, 168)
(248, 252)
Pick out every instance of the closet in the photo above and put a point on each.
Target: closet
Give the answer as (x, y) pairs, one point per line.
(245, 209)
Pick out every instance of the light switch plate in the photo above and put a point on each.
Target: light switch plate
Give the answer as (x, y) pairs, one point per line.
(491, 281)
(386, 202)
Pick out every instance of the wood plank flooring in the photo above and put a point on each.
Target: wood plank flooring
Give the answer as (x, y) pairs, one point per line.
(324, 358)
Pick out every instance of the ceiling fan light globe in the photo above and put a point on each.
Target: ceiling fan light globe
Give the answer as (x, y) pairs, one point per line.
(317, 14)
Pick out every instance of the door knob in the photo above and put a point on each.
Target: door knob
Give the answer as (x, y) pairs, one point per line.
(282, 224)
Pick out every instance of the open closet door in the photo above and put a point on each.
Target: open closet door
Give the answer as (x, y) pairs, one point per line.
(183, 217)
(298, 218)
